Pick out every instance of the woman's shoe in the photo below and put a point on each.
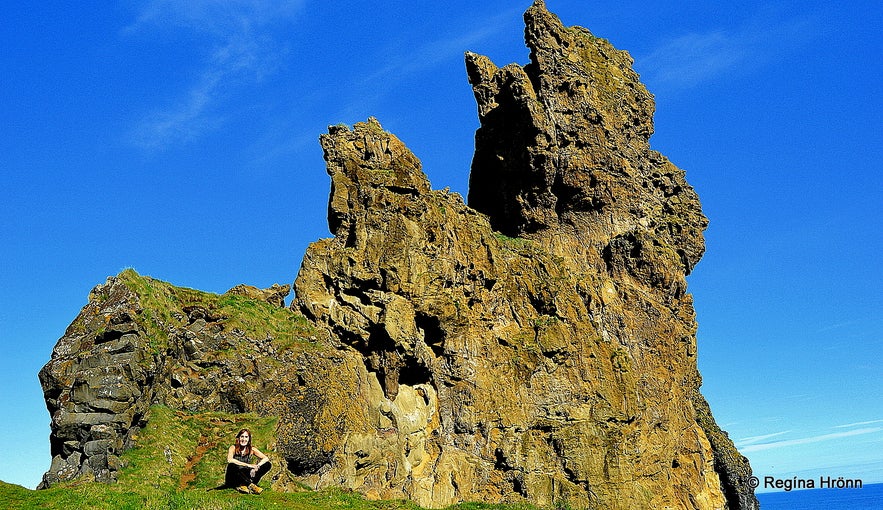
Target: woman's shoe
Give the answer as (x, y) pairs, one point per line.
(255, 489)
(243, 489)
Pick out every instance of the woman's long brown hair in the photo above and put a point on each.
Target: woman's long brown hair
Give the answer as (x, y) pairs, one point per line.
(239, 449)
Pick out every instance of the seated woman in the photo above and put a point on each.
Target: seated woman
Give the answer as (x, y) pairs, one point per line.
(241, 472)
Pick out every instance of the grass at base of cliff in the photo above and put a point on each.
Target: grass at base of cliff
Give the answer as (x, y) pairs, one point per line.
(180, 450)
(97, 496)
(180, 457)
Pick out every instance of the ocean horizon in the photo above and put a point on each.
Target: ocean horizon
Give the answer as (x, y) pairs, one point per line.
(869, 497)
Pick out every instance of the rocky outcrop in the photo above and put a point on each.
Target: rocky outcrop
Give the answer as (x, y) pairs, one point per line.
(563, 150)
(553, 332)
(562, 157)
(94, 386)
(141, 342)
(275, 295)
(537, 345)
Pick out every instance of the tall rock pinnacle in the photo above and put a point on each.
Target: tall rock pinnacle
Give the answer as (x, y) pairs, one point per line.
(563, 149)
(551, 339)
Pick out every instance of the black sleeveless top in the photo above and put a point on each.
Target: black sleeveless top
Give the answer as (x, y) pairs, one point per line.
(244, 457)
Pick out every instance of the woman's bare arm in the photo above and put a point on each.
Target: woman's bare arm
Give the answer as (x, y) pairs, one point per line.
(260, 455)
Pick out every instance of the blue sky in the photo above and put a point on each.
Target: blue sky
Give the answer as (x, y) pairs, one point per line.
(180, 138)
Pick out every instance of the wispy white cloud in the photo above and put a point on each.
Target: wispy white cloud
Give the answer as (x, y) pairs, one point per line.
(808, 440)
(242, 51)
(756, 439)
(220, 17)
(858, 424)
(182, 122)
(435, 51)
(399, 64)
(685, 61)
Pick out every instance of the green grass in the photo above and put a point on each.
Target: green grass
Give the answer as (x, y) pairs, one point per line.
(163, 306)
(117, 497)
(512, 242)
(188, 450)
(89, 496)
(180, 456)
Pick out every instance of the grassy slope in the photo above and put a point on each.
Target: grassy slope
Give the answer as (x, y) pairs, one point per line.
(179, 456)
(163, 305)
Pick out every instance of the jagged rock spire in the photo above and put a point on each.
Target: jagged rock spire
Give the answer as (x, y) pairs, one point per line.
(563, 149)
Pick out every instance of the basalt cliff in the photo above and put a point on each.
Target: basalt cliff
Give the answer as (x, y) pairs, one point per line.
(536, 345)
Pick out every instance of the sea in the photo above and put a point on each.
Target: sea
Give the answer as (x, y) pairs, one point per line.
(869, 497)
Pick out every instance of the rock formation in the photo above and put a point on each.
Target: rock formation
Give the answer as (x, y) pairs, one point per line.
(141, 342)
(536, 345)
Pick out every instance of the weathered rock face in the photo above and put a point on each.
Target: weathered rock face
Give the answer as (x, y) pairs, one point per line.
(94, 386)
(562, 157)
(563, 150)
(560, 354)
(537, 345)
(140, 342)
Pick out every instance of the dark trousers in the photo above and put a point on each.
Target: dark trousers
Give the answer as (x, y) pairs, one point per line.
(237, 475)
